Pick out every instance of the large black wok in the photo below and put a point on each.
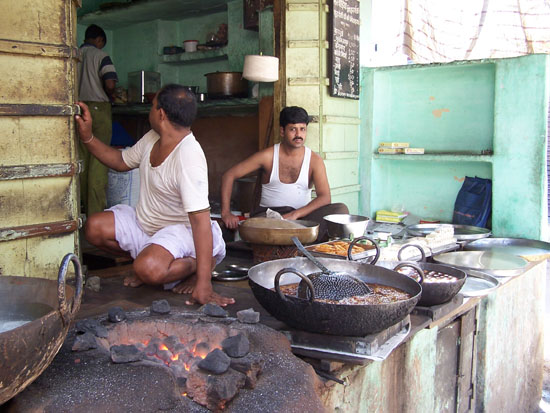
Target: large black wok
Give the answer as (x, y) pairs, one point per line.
(34, 320)
(335, 319)
(434, 292)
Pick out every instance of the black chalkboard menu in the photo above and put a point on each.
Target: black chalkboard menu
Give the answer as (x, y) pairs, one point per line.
(344, 49)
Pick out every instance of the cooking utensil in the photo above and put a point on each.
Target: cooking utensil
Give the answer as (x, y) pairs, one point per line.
(434, 291)
(36, 315)
(327, 284)
(226, 85)
(494, 263)
(478, 284)
(238, 268)
(228, 275)
(346, 225)
(531, 250)
(461, 232)
(335, 319)
(257, 231)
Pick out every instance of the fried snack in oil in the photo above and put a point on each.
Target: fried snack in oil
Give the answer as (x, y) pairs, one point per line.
(338, 248)
(383, 294)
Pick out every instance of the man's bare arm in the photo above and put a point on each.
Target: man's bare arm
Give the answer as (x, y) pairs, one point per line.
(106, 154)
(257, 161)
(322, 189)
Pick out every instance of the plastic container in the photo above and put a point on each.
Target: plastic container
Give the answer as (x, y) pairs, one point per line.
(190, 45)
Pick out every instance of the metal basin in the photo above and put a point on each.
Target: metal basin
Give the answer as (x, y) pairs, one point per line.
(34, 320)
(335, 319)
(259, 234)
(345, 225)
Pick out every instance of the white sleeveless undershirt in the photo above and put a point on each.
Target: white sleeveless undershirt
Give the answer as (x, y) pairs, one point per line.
(277, 194)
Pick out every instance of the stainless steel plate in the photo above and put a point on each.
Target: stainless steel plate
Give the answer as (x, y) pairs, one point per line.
(494, 263)
(478, 284)
(462, 232)
(529, 249)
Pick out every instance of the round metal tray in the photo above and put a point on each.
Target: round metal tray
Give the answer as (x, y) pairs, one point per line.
(493, 263)
(461, 232)
(478, 284)
(529, 249)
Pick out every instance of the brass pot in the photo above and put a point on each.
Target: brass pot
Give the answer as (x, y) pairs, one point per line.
(226, 85)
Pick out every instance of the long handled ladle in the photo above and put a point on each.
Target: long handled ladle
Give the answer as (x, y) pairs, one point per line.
(329, 284)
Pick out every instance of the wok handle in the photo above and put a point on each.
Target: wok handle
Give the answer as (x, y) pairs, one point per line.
(68, 313)
(422, 253)
(352, 243)
(299, 274)
(414, 267)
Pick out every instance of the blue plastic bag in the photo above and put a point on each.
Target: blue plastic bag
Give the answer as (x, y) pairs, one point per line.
(473, 202)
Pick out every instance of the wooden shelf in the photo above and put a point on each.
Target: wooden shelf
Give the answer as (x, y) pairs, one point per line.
(436, 157)
(196, 57)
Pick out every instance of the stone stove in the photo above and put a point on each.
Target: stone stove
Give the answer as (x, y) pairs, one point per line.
(173, 360)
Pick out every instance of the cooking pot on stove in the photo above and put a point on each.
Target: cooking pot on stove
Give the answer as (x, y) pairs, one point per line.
(35, 315)
(434, 291)
(226, 85)
(325, 318)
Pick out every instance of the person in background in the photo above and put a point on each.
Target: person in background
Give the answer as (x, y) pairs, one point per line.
(289, 171)
(97, 79)
(169, 234)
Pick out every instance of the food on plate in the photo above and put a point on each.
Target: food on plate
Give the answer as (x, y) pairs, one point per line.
(382, 294)
(339, 248)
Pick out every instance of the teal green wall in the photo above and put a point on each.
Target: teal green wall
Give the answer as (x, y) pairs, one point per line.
(456, 111)
(139, 46)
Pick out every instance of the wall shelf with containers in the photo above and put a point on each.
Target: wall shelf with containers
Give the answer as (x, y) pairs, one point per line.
(472, 118)
(200, 56)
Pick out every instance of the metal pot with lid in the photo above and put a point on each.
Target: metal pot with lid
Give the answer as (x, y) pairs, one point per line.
(226, 85)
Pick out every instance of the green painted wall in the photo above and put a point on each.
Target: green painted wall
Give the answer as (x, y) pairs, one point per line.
(457, 111)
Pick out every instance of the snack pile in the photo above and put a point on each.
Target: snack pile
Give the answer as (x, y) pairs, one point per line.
(338, 248)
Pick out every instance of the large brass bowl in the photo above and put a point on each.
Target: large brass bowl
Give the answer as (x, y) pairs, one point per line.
(256, 231)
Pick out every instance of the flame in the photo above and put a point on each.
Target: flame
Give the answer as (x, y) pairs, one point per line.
(163, 347)
(186, 366)
(184, 394)
(145, 343)
(175, 357)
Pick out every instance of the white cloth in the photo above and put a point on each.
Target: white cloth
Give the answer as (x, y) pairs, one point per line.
(169, 191)
(430, 31)
(176, 239)
(278, 194)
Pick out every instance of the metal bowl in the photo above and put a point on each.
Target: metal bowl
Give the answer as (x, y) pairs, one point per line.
(345, 225)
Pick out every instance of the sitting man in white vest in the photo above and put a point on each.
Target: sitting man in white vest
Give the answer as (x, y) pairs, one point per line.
(289, 170)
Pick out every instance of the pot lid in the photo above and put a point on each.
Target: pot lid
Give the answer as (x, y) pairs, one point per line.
(496, 263)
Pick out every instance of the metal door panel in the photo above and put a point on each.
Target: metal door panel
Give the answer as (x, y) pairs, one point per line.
(35, 257)
(34, 140)
(34, 201)
(32, 21)
(33, 80)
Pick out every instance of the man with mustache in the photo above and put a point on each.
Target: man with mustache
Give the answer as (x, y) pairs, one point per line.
(288, 172)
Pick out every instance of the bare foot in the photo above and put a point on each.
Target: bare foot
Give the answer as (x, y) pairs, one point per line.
(187, 286)
(132, 281)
